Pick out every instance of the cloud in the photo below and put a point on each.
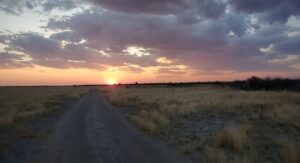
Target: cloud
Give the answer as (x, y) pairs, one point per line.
(3, 38)
(46, 51)
(117, 31)
(59, 4)
(34, 44)
(66, 36)
(254, 6)
(206, 36)
(271, 11)
(18, 7)
(146, 6)
(288, 46)
(163, 60)
(198, 8)
(210, 8)
(51, 52)
(186, 10)
(136, 51)
(15, 7)
(13, 60)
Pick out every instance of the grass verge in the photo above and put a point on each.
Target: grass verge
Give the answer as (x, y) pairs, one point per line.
(188, 116)
(21, 106)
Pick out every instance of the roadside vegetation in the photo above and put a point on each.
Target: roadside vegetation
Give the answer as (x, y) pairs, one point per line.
(221, 123)
(21, 106)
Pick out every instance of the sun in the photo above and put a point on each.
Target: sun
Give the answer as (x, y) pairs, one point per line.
(111, 82)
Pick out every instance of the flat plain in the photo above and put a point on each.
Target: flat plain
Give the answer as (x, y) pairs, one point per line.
(220, 123)
(149, 123)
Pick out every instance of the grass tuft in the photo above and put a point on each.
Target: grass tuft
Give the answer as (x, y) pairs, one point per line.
(290, 151)
(233, 137)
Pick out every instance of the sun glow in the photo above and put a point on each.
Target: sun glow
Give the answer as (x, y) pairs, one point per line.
(111, 82)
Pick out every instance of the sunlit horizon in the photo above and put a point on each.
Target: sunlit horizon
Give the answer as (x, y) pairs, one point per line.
(48, 76)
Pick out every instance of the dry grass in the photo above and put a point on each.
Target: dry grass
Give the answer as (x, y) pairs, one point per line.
(260, 116)
(151, 122)
(214, 155)
(290, 151)
(29, 103)
(233, 137)
(23, 105)
(286, 113)
(159, 105)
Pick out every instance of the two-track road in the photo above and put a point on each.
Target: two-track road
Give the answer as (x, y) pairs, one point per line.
(93, 131)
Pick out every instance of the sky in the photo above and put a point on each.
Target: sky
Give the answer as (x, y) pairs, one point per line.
(66, 42)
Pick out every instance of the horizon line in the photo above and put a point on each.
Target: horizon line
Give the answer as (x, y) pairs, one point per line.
(145, 83)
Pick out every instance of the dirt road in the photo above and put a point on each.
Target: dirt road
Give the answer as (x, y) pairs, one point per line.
(93, 131)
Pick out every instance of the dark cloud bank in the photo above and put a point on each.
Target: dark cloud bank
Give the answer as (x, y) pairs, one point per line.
(209, 35)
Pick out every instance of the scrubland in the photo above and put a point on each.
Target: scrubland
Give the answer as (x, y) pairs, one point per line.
(21, 106)
(222, 124)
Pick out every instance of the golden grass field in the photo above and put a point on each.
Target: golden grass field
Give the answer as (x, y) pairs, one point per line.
(23, 105)
(264, 126)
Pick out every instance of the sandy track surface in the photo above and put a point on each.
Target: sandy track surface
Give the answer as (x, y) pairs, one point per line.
(93, 131)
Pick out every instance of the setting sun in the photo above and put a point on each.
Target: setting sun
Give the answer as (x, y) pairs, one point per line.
(111, 82)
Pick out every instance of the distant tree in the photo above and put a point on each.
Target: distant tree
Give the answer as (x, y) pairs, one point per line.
(255, 83)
